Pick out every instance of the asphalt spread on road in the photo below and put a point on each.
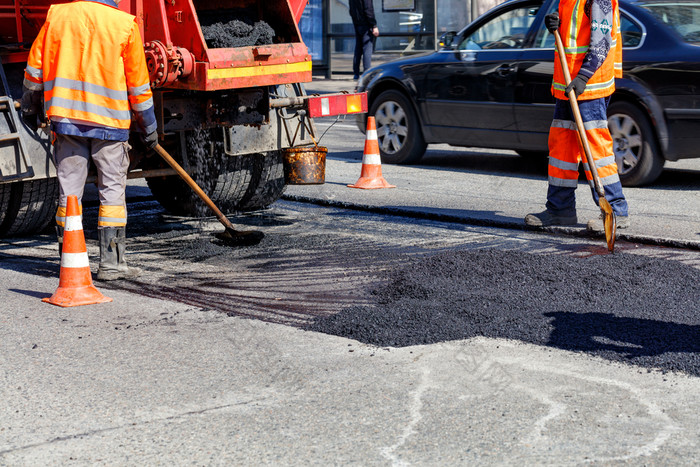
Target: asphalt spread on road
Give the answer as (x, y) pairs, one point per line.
(622, 307)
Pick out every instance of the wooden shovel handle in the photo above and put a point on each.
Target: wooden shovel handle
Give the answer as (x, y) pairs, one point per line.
(577, 116)
(186, 177)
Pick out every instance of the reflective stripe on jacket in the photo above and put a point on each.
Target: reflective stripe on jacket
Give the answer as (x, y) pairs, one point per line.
(576, 33)
(88, 60)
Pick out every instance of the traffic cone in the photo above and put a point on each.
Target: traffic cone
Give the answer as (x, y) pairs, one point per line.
(75, 281)
(371, 174)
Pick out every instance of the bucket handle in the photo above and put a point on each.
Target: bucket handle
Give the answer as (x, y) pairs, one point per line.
(302, 121)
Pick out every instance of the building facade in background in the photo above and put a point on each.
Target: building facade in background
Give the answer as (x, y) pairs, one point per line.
(405, 26)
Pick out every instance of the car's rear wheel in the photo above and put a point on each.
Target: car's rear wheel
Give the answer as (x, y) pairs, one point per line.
(398, 130)
(639, 160)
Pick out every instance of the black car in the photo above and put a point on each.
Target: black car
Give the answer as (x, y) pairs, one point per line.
(489, 86)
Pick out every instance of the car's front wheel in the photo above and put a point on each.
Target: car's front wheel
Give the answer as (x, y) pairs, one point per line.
(639, 160)
(398, 130)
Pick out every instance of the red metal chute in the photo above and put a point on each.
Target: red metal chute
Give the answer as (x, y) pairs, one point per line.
(298, 8)
(177, 54)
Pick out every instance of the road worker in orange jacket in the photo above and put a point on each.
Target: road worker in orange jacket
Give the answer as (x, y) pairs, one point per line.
(590, 31)
(89, 66)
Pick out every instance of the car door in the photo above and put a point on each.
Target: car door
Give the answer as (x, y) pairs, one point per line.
(533, 105)
(470, 92)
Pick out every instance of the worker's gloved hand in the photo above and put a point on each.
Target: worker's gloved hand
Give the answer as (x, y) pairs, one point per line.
(551, 21)
(31, 108)
(150, 140)
(578, 84)
(31, 120)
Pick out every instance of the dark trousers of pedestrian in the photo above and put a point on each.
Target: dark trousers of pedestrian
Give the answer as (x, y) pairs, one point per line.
(364, 46)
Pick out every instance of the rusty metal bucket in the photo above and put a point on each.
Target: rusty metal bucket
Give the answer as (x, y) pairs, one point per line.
(305, 166)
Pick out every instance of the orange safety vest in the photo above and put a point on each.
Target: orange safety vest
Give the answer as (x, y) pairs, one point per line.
(575, 29)
(89, 61)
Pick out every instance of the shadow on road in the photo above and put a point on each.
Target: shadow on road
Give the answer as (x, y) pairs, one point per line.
(677, 180)
(471, 160)
(15, 261)
(632, 337)
(31, 293)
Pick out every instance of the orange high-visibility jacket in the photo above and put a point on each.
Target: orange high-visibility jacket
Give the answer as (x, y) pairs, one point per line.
(88, 60)
(575, 30)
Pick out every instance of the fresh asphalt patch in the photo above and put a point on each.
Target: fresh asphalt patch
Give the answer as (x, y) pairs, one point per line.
(622, 307)
(625, 307)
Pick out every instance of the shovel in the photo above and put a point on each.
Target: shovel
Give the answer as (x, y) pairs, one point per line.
(230, 236)
(609, 221)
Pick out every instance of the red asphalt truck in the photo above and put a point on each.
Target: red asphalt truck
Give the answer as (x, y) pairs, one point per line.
(235, 114)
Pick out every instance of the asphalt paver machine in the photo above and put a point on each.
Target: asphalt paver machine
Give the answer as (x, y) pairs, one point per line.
(237, 118)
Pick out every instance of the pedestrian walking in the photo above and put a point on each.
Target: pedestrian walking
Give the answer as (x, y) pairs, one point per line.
(590, 32)
(89, 66)
(366, 33)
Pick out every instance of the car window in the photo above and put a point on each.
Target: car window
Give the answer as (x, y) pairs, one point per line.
(544, 39)
(684, 17)
(630, 31)
(506, 31)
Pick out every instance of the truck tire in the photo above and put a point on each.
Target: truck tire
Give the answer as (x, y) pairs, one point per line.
(29, 208)
(268, 183)
(234, 183)
(5, 190)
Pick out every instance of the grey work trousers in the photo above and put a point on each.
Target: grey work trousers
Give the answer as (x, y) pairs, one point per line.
(72, 156)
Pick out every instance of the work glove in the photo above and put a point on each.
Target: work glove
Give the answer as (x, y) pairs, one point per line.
(150, 140)
(31, 109)
(551, 21)
(578, 84)
(31, 120)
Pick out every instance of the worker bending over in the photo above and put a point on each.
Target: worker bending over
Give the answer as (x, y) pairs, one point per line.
(88, 62)
(590, 32)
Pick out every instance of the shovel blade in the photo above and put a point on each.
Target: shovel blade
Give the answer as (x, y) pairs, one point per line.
(609, 224)
(232, 237)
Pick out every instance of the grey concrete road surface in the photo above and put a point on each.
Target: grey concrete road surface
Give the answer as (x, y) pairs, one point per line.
(204, 359)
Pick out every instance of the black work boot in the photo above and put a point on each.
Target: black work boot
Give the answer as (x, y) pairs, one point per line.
(547, 218)
(598, 224)
(59, 237)
(113, 255)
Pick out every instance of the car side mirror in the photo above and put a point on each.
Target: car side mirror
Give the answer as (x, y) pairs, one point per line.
(447, 39)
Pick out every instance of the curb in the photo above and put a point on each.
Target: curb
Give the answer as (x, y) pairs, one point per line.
(573, 232)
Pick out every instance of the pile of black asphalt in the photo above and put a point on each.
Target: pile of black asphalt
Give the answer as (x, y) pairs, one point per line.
(237, 33)
(622, 307)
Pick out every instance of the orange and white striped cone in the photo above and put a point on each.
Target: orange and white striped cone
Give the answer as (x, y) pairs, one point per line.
(75, 281)
(371, 174)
